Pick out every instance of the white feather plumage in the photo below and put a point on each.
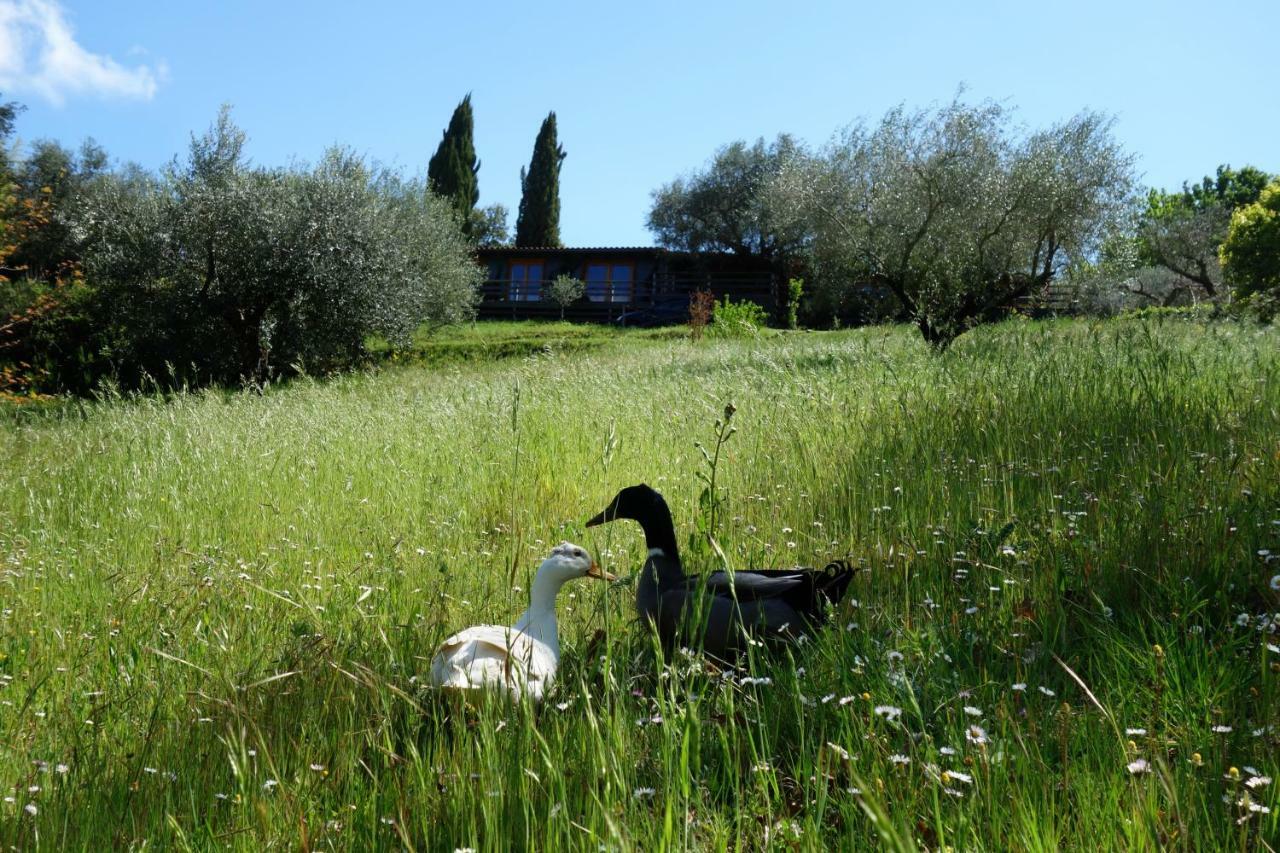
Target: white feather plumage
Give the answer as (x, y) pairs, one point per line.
(496, 656)
(521, 658)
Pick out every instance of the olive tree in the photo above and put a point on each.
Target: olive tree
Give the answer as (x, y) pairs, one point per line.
(1182, 231)
(565, 290)
(237, 272)
(955, 212)
(726, 207)
(1185, 240)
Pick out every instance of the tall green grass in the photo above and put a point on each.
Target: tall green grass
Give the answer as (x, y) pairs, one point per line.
(216, 609)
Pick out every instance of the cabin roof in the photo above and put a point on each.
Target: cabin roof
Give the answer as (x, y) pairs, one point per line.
(517, 250)
(655, 252)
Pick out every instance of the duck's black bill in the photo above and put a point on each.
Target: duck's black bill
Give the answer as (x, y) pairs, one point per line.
(597, 520)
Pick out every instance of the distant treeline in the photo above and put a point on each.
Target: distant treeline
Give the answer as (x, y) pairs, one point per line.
(954, 216)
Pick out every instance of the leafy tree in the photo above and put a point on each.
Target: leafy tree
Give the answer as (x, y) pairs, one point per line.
(8, 189)
(726, 206)
(1182, 231)
(38, 277)
(1251, 250)
(452, 170)
(1184, 239)
(955, 214)
(489, 226)
(1229, 188)
(8, 117)
(538, 222)
(216, 271)
(50, 179)
(566, 290)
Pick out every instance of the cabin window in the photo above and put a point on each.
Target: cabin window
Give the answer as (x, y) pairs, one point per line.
(609, 282)
(526, 281)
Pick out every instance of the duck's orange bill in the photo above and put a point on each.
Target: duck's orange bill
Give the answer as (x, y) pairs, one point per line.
(596, 572)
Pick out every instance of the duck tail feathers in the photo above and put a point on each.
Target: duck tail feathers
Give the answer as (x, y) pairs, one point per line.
(834, 580)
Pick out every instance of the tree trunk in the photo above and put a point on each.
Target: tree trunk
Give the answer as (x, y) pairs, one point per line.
(935, 336)
(246, 330)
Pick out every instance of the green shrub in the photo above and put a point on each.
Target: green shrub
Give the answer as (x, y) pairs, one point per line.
(736, 319)
(795, 290)
(1250, 254)
(1199, 311)
(1263, 306)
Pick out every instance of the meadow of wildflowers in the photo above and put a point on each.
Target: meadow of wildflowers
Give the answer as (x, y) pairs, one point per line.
(216, 609)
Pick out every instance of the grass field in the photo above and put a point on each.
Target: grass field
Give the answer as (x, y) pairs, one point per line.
(217, 607)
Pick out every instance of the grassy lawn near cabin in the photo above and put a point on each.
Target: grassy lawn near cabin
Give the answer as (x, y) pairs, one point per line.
(494, 340)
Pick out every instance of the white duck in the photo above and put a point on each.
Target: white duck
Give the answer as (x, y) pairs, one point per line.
(523, 657)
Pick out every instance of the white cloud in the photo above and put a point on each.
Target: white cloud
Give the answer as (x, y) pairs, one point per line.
(39, 54)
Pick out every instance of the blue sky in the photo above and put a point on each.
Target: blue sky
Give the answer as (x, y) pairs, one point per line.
(643, 92)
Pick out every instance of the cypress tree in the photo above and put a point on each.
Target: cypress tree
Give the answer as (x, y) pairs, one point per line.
(539, 221)
(453, 168)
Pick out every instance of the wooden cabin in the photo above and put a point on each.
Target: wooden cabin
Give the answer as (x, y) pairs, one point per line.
(643, 286)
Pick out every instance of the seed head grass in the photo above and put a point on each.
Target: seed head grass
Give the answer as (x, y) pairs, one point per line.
(217, 609)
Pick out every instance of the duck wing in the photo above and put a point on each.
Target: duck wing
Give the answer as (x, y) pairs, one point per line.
(721, 611)
(753, 585)
(808, 591)
(494, 656)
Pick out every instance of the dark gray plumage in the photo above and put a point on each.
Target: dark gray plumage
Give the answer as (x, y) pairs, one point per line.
(721, 611)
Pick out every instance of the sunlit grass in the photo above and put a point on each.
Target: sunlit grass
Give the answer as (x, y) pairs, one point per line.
(494, 340)
(216, 609)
